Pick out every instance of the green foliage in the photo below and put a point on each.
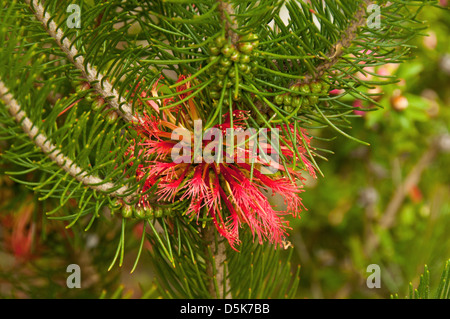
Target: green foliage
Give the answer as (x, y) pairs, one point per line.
(181, 257)
(347, 207)
(423, 290)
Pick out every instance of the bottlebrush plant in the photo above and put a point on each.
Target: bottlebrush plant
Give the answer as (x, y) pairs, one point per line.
(185, 117)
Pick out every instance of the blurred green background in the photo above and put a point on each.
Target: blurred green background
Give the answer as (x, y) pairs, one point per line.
(386, 204)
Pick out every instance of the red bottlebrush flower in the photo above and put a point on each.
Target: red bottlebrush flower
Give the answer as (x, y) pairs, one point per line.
(230, 191)
(20, 239)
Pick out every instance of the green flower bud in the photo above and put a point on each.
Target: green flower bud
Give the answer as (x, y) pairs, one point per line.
(214, 50)
(235, 56)
(149, 212)
(304, 88)
(225, 62)
(112, 116)
(251, 38)
(296, 101)
(245, 58)
(295, 87)
(279, 99)
(313, 100)
(127, 211)
(287, 99)
(220, 41)
(83, 86)
(228, 50)
(306, 102)
(168, 212)
(289, 108)
(97, 104)
(325, 88)
(316, 87)
(158, 212)
(139, 213)
(246, 47)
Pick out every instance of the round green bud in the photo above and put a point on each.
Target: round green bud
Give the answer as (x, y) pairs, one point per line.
(112, 116)
(245, 58)
(228, 50)
(289, 108)
(90, 97)
(158, 212)
(98, 103)
(242, 67)
(232, 73)
(252, 38)
(287, 99)
(235, 56)
(246, 47)
(139, 213)
(83, 86)
(226, 62)
(220, 41)
(214, 50)
(316, 87)
(325, 88)
(168, 212)
(220, 84)
(127, 211)
(313, 99)
(295, 87)
(296, 101)
(306, 102)
(279, 99)
(149, 212)
(304, 88)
